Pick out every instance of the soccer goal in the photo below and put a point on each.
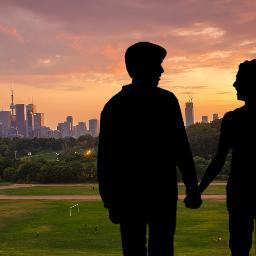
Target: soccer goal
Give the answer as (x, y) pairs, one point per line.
(72, 207)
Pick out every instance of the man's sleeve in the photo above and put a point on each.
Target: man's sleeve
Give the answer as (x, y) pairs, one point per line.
(104, 159)
(184, 156)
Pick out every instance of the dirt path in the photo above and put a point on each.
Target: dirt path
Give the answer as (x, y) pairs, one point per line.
(11, 186)
(89, 197)
(74, 185)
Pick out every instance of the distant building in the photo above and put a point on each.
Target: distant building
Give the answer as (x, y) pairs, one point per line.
(5, 120)
(12, 108)
(56, 134)
(80, 129)
(189, 113)
(20, 119)
(13, 121)
(45, 132)
(64, 129)
(215, 116)
(205, 119)
(61, 128)
(69, 120)
(93, 127)
(13, 132)
(38, 124)
(30, 110)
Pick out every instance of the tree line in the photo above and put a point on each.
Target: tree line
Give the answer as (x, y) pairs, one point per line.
(48, 160)
(74, 160)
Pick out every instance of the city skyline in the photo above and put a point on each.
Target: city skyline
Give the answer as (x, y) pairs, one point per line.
(187, 120)
(12, 106)
(34, 120)
(71, 53)
(23, 120)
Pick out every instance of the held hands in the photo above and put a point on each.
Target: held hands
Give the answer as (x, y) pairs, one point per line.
(193, 200)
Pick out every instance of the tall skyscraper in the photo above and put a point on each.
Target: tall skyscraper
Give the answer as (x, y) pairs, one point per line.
(30, 110)
(64, 129)
(189, 113)
(205, 119)
(215, 116)
(38, 124)
(20, 119)
(93, 127)
(5, 120)
(69, 121)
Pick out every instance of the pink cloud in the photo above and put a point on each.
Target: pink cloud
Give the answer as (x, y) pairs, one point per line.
(11, 32)
(73, 41)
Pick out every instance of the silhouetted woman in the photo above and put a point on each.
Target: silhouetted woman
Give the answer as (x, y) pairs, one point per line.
(238, 134)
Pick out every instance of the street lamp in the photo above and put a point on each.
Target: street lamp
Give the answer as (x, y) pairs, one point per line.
(88, 152)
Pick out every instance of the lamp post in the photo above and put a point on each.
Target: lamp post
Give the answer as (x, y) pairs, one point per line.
(15, 154)
(29, 155)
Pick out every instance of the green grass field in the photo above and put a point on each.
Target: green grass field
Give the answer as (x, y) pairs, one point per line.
(85, 190)
(45, 228)
(52, 190)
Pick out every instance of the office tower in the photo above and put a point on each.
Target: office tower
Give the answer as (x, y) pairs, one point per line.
(69, 121)
(64, 129)
(215, 116)
(61, 128)
(189, 113)
(93, 127)
(5, 120)
(20, 119)
(30, 110)
(80, 129)
(38, 124)
(205, 119)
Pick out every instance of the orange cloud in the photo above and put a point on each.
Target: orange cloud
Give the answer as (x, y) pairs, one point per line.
(115, 58)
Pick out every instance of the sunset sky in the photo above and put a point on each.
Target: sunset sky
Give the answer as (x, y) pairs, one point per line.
(69, 55)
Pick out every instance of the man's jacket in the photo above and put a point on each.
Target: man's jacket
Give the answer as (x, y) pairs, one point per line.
(142, 141)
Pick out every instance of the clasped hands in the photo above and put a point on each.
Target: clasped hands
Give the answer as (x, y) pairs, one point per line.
(193, 200)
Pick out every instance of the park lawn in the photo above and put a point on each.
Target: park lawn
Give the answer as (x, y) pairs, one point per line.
(87, 189)
(45, 228)
(211, 190)
(90, 189)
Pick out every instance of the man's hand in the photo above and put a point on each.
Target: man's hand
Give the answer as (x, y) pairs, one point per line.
(193, 201)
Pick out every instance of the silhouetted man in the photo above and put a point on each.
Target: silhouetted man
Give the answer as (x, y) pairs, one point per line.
(238, 133)
(142, 140)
